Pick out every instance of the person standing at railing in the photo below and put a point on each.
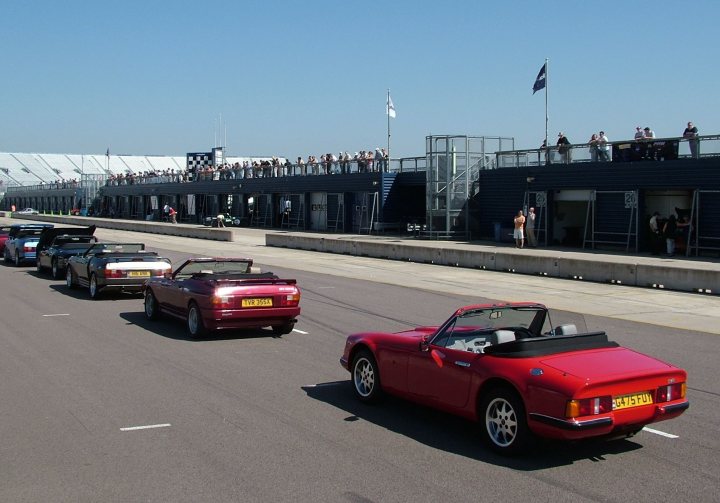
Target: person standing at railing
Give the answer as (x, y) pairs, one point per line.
(563, 145)
(649, 137)
(691, 134)
(603, 147)
(593, 147)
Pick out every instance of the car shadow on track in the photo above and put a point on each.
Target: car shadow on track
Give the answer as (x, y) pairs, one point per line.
(175, 329)
(81, 293)
(456, 435)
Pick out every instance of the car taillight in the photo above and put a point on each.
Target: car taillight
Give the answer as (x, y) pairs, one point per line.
(290, 299)
(220, 301)
(159, 272)
(671, 392)
(588, 406)
(28, 248)
(114, 273)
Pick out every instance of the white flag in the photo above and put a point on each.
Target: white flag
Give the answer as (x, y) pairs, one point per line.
(390, 108)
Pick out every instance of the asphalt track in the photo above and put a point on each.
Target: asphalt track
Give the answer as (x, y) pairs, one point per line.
(252, 417)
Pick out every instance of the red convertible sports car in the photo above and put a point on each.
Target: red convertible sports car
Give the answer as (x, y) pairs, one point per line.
(504, 366)
(224, 293)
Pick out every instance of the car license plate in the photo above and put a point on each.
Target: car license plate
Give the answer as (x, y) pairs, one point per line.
(632, 400)
(266, 302)
(138, 274)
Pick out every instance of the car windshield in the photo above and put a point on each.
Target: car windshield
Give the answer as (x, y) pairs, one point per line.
(70, 241)
(213, 267)
(116, 248)
(478, 324)
(24, 233)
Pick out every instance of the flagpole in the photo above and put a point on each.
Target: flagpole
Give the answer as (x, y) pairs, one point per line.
(387, 112)
(547, 84)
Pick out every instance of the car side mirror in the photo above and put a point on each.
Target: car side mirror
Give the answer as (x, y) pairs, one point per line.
(425, 343)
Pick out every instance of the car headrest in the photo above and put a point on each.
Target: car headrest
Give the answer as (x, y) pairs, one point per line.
(568, 329)
(500, 336)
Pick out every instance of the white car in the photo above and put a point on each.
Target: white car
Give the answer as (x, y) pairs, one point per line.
(27, 211)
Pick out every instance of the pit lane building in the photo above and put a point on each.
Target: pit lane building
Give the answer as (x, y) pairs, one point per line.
(464, 187)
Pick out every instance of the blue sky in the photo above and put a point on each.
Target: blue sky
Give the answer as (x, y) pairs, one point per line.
(305, 77)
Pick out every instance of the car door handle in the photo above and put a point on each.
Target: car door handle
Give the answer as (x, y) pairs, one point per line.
(462, 364)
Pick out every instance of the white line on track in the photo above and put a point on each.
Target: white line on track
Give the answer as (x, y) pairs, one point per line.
(299, 331)
(60, 314)
(325, 287)
(319, 385)
(147, 427)
(661, 433)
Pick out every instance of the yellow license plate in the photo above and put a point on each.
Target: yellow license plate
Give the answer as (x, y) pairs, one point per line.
(266, 302)
(138, 274)
(632, 400)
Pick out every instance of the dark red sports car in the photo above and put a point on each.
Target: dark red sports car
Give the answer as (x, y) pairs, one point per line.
(506, 367)
(224, 293)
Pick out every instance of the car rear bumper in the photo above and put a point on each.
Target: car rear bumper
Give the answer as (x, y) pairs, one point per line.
(626, 420)
(219, 319)
(127, 285)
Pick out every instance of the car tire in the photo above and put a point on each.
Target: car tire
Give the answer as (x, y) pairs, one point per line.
(69, 278)
(195, 326)
(283, 329)
(365, 376)
(55, 270)
(503, 422)
(38, 267)
(17, 259)
(152, 311)
(93, 287)
(6, 256)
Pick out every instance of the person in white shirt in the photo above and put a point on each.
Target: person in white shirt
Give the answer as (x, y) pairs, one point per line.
(603, 147)
(530, 228)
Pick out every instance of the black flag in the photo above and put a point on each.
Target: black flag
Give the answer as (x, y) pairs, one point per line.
(540, 80)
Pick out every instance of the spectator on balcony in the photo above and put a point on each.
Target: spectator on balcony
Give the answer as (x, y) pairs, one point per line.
(639, 135)
(563, 145)
(302, 169)
(593, 147)
(386, 160)
(370, 158)
(648, 138)
(691, 134)
(378, 159)
(345, 165)
(603, 147)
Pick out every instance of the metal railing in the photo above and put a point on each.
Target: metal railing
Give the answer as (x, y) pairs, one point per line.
(619, 151)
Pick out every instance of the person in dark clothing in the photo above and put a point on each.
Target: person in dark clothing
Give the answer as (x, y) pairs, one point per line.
(563, 145)
(670, 232)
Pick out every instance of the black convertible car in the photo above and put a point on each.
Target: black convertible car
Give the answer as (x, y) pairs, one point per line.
(58, 244)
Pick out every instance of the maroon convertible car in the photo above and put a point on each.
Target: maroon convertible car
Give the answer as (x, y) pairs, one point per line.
(224, 293)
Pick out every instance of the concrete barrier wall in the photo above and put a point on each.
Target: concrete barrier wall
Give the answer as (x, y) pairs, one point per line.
(183, 230)
(689, 277)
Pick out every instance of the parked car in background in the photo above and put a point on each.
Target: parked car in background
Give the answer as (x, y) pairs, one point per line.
(58, 244)
(504, 366)
(27, 211)
(115, 266)
(224, 293)
(21, 242)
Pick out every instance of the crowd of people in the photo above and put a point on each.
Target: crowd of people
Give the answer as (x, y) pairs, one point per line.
(364, 161)
(599, 145)
(670, 233)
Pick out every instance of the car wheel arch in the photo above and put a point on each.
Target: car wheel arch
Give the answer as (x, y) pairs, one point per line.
(361, 346)
(491, 384)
